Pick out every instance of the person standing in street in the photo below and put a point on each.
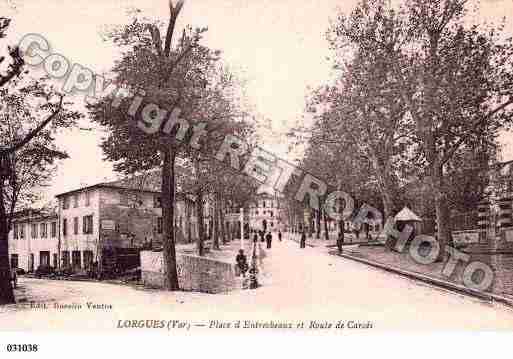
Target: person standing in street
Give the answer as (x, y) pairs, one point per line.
(340, 241)
(269, 239)
(262, 236)
(302, 242)
(279, 235)
(242, 263)
(261, 256)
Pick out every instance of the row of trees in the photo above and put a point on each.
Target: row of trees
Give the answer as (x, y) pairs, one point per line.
(31, 112)
(415, 108)
(176, 72)
(169, 70)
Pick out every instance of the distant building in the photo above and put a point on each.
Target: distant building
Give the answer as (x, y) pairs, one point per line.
(266, 212)
(494, 214)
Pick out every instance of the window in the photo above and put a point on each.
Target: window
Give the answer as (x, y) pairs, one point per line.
(88, 198)
(65, 227)
(75, 200)
(75, 225)
(264, 204)
(87, 224)
(43, 230)
(54, 229)
(15, 231)
(34, 230)
(159, 225)
(22, 231)
(157, 201)
(65, 202)
(76, 259)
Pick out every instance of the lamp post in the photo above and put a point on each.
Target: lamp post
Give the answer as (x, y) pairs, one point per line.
(241, 228)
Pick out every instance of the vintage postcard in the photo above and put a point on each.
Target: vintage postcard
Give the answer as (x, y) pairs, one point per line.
(235, 166)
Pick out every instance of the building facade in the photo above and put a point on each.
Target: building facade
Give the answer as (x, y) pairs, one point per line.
(33, 239)
(266, 213)
(94, 219)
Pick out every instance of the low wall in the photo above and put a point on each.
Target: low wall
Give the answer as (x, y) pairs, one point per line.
(194, 273)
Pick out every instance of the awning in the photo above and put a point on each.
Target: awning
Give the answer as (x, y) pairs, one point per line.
(407, 214)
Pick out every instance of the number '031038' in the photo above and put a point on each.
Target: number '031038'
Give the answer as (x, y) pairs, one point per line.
(22, 348)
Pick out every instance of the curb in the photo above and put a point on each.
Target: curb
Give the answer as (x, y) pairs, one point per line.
(433, 281)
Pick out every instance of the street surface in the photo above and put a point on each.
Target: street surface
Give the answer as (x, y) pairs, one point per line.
(297, 284)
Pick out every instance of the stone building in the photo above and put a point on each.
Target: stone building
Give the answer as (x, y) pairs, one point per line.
(113, 216)
(266, 211)
(33, 239)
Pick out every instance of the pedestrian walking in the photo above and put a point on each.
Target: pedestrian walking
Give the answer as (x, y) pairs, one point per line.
(340, 241)
(261, 256)
(262, 235)
(279, 235)
(269, 239)
(302, 242)
(255, 238)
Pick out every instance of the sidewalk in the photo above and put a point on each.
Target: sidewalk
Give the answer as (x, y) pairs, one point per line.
(402, 264)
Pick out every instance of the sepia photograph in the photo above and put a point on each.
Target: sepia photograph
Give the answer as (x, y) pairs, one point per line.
(255, 168)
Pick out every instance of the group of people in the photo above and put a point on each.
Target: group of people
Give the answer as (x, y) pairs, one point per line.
(268, 238)
(241, 259)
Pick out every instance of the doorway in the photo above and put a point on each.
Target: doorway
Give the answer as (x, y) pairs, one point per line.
(44, 258)
(76, 263)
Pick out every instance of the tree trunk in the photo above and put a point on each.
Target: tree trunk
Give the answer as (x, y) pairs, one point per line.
(168, 205)
(215, 243)
(442, 211)
(6, 291)
(341, 229)
(318, 212)
(310, 225)
(382, 172)
(188, 220)
(388, 203)
(326, 232)
(221, 222)
(201, 222)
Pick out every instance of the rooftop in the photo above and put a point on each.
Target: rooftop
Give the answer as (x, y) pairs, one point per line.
(149, 182)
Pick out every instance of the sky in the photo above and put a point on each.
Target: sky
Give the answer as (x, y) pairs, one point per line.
(277, 46)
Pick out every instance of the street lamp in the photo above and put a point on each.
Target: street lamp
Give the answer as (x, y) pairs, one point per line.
(241, 228)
